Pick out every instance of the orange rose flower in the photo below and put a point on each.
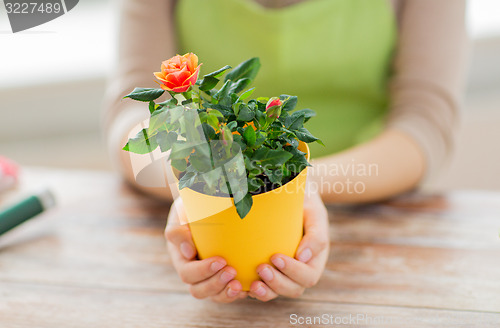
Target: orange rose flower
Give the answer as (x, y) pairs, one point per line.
(179, 72)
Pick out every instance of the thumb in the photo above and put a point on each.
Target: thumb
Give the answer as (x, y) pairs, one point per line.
(316, 234)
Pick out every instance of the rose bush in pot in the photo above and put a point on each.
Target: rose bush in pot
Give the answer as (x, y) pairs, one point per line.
(240, 163)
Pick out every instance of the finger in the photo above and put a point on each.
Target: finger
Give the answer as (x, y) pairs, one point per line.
(214, 284)
(179, 235)
(261, 291)
(278, 282)
(193, 272)
(232, 292)
(306, 275)
(316, 237)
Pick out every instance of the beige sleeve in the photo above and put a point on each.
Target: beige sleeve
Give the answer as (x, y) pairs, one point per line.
(146, 39)
(428, 78)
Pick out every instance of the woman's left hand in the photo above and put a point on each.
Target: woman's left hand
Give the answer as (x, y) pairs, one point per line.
(290, 277)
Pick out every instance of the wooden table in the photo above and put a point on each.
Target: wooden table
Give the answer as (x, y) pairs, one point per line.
(99, 260)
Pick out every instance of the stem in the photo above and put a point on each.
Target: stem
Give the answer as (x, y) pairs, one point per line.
(199, 98)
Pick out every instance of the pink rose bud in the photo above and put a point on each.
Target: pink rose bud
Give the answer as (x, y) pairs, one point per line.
(273, 108)
(274, 101)
(227, 136)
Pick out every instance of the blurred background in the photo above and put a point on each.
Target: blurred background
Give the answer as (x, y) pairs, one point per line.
(53, 77)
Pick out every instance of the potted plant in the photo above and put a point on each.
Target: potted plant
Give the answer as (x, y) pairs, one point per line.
(240, 163)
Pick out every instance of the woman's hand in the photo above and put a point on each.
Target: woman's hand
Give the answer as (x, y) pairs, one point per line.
(290, 277)
(207, 278)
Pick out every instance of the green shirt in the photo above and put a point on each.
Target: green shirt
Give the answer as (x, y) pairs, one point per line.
(333, 54)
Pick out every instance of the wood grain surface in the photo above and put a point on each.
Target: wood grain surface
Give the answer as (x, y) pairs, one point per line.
(99, 260)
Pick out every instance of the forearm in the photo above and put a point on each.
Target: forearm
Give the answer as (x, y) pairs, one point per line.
(385, 166)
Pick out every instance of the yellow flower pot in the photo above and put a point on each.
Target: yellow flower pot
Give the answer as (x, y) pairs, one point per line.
(273, 225)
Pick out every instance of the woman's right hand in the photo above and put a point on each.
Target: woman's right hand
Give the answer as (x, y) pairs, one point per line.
(209, 278)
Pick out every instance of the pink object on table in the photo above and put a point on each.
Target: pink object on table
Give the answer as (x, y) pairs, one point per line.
(9, 173)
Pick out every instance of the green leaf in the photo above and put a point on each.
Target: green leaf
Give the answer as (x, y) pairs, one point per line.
(208, 83)
(271, 157)
(141, 143)
(304, 135)
(227, 111)
(181, 150)
(166, 139)
(261, 137)
(232, 125)
(215, 112)
(175, 113)
(157, 120)
(290, 102)
(239, 141)
(219, 72)
(200, 163)
(308, 113)
(290, 139)
(245, 114)
(145, 94)
(223, 92)
(275, 176)
(187, 180)
(260, 118)
(240, 85)
(247, 69)
(168, 103)
(208, 131)
(179, 164)
(211, 177)
(295, 122)
(246, 94)
(244, 205)
(254, 184)
(298, 162)
(213, 121)
(187, 101)
(236, 107)
(249, 135)
(152, 107)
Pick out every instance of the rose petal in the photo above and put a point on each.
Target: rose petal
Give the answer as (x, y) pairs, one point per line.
(181, 88)
(160, 76)
(181, 76)
(192, 61)
(192, 79)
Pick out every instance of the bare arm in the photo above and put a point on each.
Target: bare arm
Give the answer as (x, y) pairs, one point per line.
(387, 165)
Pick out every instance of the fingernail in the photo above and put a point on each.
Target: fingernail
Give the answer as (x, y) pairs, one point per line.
(226, 277)
(305, 255)
(232, 293)
(216, 266)
(261, 291)
(278, 262)
(187, 250)
(266, 274)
